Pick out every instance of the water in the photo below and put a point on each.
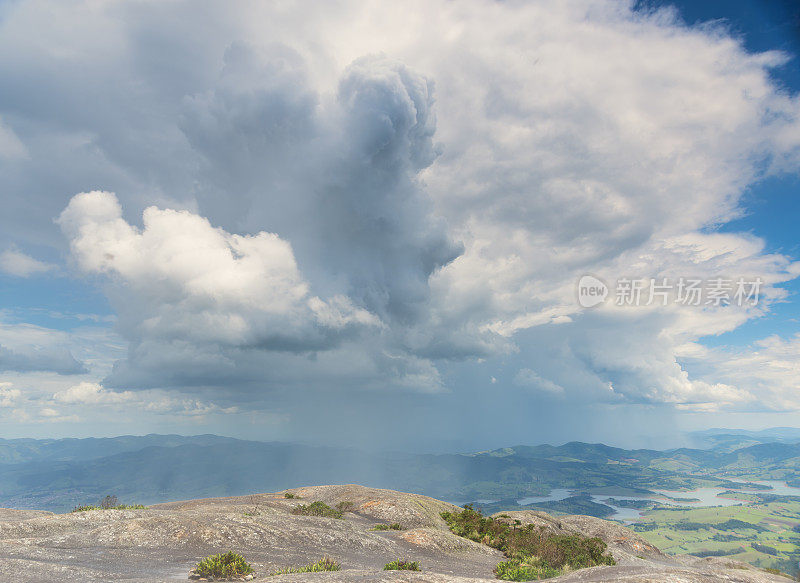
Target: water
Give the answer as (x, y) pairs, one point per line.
(555, 495)
(706, 497)
(779, 488)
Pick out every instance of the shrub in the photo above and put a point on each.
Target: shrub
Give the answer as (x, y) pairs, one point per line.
(109, 502)
(291, 496)
(552, 552)
(324, 564)
(401, 565)
(345, 506)
(118, 507)
(517, 570)
(393, 526)
(317, 509)
(223, 566)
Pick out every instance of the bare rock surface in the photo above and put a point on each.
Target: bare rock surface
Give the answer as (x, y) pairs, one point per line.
(163, 542)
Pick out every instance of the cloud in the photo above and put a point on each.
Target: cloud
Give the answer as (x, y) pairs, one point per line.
(87, 393)
(334, 173)
(95, 395)
(181, 278)
(766, 371)
(528, 378)
(332, 204)
(28, 348)
(11, 148)
(8, 395)
(15, 262)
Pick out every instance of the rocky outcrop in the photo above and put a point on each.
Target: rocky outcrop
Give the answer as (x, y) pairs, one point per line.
(163, 542)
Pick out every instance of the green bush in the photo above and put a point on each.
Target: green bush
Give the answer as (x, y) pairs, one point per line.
(401, 565)
(317, 509)
(119, 507)
(393, 526)
(109, 502)
(324, 564)
(533, 552)
(517, 570)
(223, 566)
(345, 506)
(291, 496)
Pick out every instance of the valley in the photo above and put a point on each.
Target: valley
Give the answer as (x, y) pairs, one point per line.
(738, 502)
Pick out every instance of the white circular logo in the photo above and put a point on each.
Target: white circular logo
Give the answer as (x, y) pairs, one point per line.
(591, 291)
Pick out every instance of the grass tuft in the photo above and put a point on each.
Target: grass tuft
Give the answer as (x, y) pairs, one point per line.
(402, 565)
(393, 526)
(317, 509)
(222, 566)
(324, 564)
(118, 507)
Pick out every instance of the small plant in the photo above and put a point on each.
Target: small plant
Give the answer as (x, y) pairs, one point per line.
(393, 526)
(401, 565)
(345, 506)
(518, 570)
(118, 507)
(291, 496)
(317, 509)
(324, 564)
(109, 502)
(222, 566)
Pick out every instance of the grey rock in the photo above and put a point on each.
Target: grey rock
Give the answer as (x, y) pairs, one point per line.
(163, 543)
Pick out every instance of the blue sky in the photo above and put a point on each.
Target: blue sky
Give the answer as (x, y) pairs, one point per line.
(771, 206)
(238, 220)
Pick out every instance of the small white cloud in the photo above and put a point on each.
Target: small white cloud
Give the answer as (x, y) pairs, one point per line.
(11, 147)
(529, 378)
(8, 395)
(15, 262)
(91, 394)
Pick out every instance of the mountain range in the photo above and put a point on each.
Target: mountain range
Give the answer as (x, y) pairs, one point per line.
(57, 474)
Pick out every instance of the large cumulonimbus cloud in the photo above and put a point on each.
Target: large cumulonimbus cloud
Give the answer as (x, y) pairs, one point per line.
(374, 197)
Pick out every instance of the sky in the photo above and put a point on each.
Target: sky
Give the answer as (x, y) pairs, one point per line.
(386, 225)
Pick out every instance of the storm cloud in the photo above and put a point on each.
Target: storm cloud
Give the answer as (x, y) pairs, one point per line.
(392, 205)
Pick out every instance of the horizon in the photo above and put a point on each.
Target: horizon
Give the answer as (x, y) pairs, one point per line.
(686, 442)
(450, 227)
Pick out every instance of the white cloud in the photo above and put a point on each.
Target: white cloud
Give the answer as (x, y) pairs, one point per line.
(181, 278)
(87, 393)
(11, 147)
(528, 378)
(15, 262)
(325, 217)
(8, 395)
(27, 348)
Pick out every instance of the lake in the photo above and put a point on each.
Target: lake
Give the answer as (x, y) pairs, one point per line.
(706, 497)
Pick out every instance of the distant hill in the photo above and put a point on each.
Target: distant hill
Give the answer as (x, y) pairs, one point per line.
(733, 439)
(14, 451)
(59, 474)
